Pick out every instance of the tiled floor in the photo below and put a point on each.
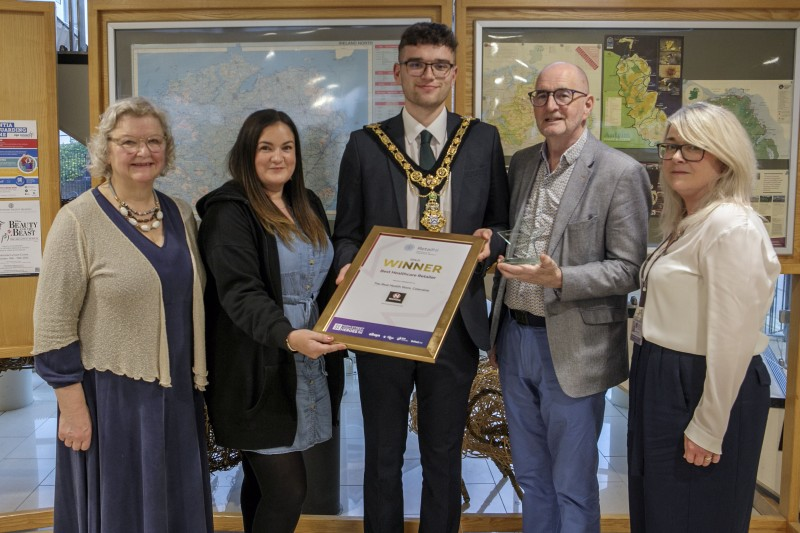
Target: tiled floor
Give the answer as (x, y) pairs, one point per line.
(28, 437)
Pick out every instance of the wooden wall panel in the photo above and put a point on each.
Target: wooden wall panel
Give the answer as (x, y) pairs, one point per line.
(28, 92)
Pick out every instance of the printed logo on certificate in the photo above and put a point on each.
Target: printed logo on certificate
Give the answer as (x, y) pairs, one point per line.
(396, 297)
(401, 292)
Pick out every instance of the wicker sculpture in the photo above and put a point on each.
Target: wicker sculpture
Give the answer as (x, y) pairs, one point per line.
(486, 434)
(15, 363)
(219, 458)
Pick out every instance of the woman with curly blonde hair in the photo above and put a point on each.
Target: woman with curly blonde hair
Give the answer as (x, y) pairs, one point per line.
(119, 334)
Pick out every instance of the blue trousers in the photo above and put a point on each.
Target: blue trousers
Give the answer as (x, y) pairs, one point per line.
(553, 436)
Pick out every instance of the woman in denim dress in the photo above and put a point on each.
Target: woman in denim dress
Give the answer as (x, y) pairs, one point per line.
(272, 394)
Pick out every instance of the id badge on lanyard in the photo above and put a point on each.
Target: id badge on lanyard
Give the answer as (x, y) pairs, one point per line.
(638, 316)
(636, 327)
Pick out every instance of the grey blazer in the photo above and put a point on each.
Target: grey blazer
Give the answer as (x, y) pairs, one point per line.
(599, 240)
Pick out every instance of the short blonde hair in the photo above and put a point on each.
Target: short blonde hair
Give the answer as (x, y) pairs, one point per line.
(717, 131)
(99, 165)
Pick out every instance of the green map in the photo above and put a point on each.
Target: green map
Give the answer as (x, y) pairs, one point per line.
(764, 107)
(641, 88)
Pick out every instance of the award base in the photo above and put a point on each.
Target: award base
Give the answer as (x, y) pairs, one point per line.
(521, 260)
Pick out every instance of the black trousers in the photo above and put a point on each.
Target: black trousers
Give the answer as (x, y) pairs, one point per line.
(666, 493)
(386, 384)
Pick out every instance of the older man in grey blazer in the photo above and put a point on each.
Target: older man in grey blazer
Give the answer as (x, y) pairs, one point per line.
(580, 212)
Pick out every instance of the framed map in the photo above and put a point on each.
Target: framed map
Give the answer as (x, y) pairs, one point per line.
(509, 71)
(331, 77)
(640, 72)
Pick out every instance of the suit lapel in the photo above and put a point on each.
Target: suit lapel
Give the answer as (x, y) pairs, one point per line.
(393, 128)
(576, 187)
(456, 185)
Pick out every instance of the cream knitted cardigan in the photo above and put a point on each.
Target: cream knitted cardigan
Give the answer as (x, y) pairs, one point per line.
(96, 287)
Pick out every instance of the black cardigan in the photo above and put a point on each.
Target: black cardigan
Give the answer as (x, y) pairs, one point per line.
(252, 378)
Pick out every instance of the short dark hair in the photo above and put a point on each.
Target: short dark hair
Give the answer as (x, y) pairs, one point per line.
(428, 33)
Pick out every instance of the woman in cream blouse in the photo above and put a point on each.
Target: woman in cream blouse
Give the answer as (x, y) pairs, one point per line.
(699, 392)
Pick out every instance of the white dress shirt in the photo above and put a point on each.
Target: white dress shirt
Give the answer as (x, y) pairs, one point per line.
(438, 129)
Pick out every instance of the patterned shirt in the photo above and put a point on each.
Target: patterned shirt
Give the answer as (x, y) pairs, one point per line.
(540, 213)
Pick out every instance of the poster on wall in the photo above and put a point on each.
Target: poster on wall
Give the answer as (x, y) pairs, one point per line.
(764, 108)
(20, 238)
(770, 192)
(19, 159)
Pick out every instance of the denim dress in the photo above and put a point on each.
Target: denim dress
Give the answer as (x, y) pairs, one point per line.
(303, 271)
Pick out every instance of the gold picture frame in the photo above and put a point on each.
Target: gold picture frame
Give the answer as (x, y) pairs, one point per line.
(401, 292)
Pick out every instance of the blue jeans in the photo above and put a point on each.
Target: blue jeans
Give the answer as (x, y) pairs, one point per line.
(553, 436)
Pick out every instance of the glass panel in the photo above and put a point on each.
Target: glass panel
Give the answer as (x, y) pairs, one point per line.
(73, 158)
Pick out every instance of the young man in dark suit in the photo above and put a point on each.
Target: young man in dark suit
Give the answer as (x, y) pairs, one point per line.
(468, 195)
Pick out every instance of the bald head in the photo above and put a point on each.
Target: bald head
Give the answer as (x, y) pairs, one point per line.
(562, 124)
(561, 70)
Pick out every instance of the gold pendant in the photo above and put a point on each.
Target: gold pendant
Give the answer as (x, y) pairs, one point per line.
(433, 217)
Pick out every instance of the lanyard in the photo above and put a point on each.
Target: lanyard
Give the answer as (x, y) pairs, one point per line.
(637, 333)
(651, 260)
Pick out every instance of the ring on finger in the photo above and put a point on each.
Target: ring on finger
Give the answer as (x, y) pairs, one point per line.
(707, 459)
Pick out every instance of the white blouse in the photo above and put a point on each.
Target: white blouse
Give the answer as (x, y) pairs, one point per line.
(708, 295)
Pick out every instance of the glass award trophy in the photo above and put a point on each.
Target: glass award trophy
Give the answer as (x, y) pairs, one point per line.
(526, 256)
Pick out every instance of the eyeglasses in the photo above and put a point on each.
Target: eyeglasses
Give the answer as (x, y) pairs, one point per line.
(560, 96)
(689, 152)
(440, 69)
(131, 145)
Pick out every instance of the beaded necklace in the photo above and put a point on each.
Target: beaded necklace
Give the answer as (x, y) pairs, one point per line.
(144, 221)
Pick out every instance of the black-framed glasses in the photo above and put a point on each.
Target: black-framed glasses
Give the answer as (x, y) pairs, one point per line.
(132, 145)
(440, 69)
(560, 96)
(689, 152)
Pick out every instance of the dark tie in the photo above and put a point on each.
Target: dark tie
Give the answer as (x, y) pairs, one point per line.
(426, 159)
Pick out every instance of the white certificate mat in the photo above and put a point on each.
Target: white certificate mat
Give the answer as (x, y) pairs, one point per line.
(401, 292)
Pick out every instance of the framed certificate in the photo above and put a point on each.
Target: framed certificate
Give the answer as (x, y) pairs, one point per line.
(401, 292)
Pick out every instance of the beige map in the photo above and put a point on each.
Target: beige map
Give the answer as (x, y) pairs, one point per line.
(509, 73)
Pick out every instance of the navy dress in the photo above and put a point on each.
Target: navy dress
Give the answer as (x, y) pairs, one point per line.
(147, 468)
